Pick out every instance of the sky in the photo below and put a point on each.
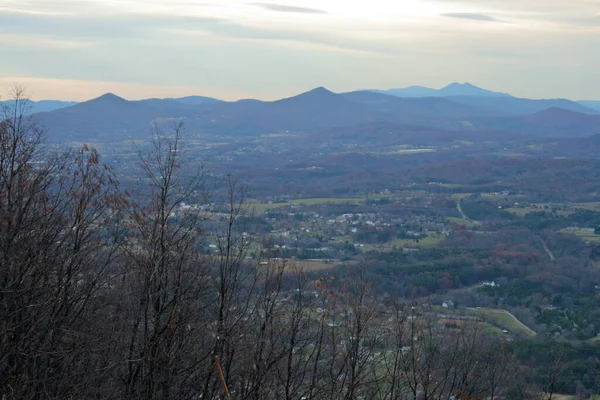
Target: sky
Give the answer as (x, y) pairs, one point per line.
(232, 49)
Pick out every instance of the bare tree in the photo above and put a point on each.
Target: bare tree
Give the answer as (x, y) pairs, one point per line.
(164, 278)
(234, 289)
(54, 251)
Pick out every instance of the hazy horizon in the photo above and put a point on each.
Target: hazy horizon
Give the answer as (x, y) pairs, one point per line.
(133, 92)
(232, 49)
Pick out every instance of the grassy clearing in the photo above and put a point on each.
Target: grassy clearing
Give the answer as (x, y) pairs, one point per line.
(327, 200)
(522, 211)
(313, 265)
(536, 147)
(263, 207)
(584, 235)
(504, 320)
(461, 221)
(594, 206)
(494, 196)
(460, 195)
(570, 397)
(481, 326)
(432, 240)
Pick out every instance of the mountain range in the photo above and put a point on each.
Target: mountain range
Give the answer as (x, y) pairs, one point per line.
(456, 107)
(453, 89)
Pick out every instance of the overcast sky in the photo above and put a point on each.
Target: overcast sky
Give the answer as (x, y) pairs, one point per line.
(79, 49)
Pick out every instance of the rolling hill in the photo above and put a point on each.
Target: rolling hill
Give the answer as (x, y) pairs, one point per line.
(552, 122)
(399, 107)
(108, 117)
(517, 106)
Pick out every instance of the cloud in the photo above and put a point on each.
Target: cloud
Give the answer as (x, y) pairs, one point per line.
(472, 16)
(162, 29)
(311, 40)
(42, 42)
(289, 9)
(254, 46)
(98, 27)
(552, 14)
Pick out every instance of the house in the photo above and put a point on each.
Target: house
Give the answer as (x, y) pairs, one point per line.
(448, 304)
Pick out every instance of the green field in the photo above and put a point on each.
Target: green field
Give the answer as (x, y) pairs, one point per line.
(461, 221)
(504, 320)
(432, 240)
(584, 235)
(460, 195)
(522, 211)
(263, 207)
(594, 206)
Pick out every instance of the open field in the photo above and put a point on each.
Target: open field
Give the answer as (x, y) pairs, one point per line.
(503, 319)
(461, 221)
(459, 196)
(432, 240)
(522, 211)
(263, 207)
(313, 265)
(594, 206)
(310, 265)
(497, 196)
(584, 235)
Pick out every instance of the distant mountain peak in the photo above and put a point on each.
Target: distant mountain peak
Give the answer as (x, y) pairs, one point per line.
(319, 90)
(196, 100)
(108, 97)
(316, 93)
(468, 89)
(466, 85)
